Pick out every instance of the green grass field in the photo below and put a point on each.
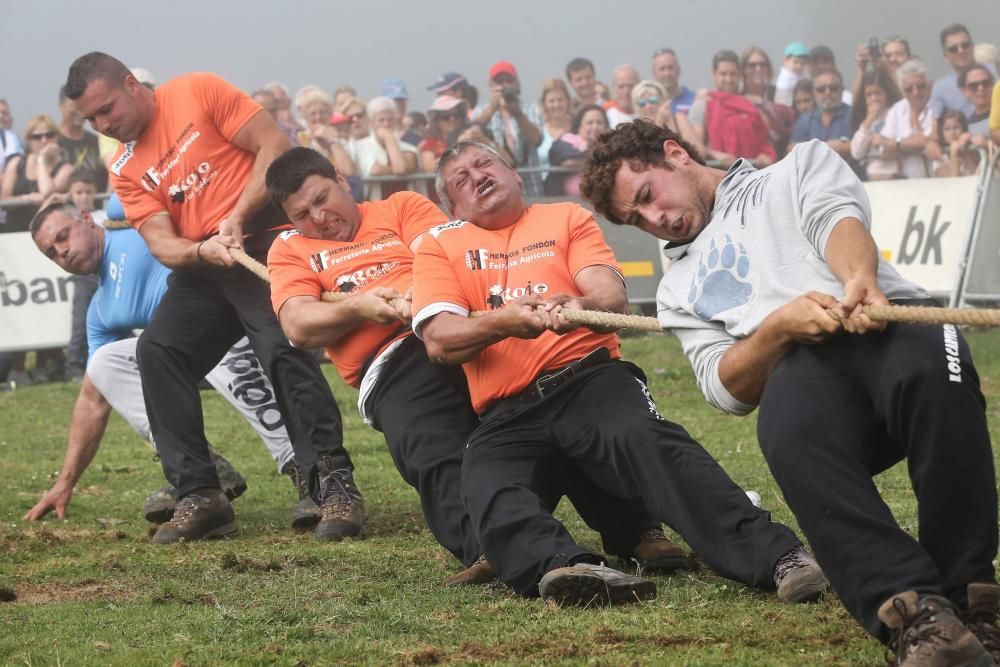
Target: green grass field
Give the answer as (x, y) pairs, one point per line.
(94, 590)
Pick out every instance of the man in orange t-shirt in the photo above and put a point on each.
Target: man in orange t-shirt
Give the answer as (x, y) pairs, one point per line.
(548, 391)
(190, 174)
(423, 409)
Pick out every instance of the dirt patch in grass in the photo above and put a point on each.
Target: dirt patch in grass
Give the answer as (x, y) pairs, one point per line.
(422, 655)
(54, 592)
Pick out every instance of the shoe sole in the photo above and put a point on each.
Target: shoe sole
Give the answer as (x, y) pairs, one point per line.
(336, 537)
(236, 491)
(668, 563)
(305, 522)
(809, 589)
(218, 532)
(160, 514)
(583, 590)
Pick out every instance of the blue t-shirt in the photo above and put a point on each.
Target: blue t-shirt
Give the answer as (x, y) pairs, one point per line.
(131, 283)
(682, 103)
(810, 126)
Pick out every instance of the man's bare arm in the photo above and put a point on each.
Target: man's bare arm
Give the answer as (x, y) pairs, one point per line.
(452, 339)
(311, 323)
(262, 137)
(90, 418)
(177, 252)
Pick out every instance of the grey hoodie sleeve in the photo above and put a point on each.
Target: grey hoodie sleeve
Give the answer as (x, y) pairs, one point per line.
(704, 343)
(828, 191)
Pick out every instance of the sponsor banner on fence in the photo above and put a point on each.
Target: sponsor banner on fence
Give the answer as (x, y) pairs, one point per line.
(36, 297)
(921, 226)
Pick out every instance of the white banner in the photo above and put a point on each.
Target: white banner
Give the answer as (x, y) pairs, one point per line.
(921, 226)
(36, 297)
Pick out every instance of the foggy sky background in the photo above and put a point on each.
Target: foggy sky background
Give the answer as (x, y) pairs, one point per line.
(330, 43)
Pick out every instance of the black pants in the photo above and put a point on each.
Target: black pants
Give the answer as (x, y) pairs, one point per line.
(604, 423)
(203, 313)
(832, 415)
(424, 412)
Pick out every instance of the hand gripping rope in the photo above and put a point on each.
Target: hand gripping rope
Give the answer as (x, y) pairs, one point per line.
(911, 314)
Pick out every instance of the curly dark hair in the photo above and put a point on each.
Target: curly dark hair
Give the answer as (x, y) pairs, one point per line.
(640, 143)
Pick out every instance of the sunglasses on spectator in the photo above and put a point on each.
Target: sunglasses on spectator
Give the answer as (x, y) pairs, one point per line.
(42, 135)
(356, 116)
(832, 88)
(451, 115)
(649, 100)
(961, 46)
(978, 85)
(915, 87)
(757, 64)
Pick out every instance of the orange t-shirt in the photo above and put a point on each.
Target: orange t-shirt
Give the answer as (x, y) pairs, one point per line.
(379, 256)
(184, 163)
(461, 268)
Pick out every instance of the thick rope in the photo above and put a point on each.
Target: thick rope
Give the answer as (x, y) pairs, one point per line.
(911, 314)
(117, 224)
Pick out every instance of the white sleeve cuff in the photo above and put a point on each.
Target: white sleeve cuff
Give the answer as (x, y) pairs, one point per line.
(430, 310)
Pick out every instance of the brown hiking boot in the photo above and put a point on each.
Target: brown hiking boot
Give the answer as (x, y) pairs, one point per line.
(799, 577)
(305, 513)
(159, 506)
(477, 574)
(981, 616)
(343, 508)
(927, 633)
(202, 514)
(656, 552)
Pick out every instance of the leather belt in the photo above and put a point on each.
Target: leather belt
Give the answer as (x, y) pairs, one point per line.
(546, 382)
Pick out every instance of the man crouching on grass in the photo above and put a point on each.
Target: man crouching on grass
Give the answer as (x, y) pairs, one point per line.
(771, 269)
(548, 392)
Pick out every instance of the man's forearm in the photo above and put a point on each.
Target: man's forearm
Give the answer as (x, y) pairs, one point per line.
(254, 195)
(174, 252)
(314, 324)
(746, 366)
(90, 418)
(850, 252)
(451, 339)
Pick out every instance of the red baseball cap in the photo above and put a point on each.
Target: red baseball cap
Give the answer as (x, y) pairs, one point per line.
(502, 67)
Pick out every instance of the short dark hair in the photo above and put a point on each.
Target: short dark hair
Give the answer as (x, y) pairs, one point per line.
(83, 176)
(92, 66)
(640, 144)
(950, 30)
(834, 71)
(578, 64)
(290, 170)
(803, 86)
(46, 211)
(724, 56)
(963, 76)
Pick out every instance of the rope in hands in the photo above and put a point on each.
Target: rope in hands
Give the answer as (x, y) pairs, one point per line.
(910, 314)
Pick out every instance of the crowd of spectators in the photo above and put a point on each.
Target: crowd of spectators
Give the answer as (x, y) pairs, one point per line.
(888, 119)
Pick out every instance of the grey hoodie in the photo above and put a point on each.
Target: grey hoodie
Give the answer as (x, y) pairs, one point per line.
(763, 247)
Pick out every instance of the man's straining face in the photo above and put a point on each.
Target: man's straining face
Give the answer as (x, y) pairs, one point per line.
(670, 204)
(323, 209)
(482, 188)
(113, 110)
(72, 244)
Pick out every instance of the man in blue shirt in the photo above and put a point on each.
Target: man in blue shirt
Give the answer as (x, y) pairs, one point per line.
(830, 120)
(667, 70)
(131, 284)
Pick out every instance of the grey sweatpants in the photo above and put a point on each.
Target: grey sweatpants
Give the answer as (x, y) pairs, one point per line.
(238, 378)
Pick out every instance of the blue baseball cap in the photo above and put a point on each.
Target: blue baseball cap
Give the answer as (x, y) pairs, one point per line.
(394, 89)
(446, 82)
(797, 49)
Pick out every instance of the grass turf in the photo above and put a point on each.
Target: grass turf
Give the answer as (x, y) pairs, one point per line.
(94, 590)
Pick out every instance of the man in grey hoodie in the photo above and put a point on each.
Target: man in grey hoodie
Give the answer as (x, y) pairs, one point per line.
(770, 271)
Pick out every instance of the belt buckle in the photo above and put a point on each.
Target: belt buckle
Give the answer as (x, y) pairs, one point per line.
(542, 383)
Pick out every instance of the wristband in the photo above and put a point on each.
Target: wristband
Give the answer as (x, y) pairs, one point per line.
(198, 251)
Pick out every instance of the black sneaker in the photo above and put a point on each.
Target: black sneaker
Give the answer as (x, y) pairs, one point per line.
(201, 515)
(230, 479)
(305, 513)
(586, 584)
(799, 577)
(981, 616)
(342, 507)
(927, 633)
(159, 505)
